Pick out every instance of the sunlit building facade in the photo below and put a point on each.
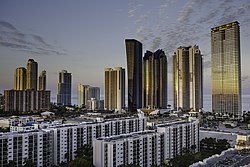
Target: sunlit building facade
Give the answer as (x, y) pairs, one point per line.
(226, 69)
(155, 79)
(20, 78)
(188, 79)
(134, 67)
(114, 92)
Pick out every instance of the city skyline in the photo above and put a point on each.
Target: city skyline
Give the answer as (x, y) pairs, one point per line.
(25, 33)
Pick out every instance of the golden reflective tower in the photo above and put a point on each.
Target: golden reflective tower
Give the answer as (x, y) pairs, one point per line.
(155, 79)
(226, 69)
(20, 79)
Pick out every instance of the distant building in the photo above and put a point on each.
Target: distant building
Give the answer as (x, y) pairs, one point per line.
(20, 78)
(114, 91)
(32, 73)
(226, 69)
(188, 79)
(26, 100)
(1, 101)
(64, 88)
(155, 79)
(134, 70)
(85, 93)
(42, 80)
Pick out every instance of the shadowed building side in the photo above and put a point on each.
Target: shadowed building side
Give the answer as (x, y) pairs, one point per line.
(134, 70)
(155, 79)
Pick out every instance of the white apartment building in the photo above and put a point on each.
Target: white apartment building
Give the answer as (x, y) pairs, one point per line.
(18, 147)
(141, 148)
(57, 143)
(179, 136)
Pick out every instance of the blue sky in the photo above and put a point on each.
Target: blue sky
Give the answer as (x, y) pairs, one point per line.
(84, 37)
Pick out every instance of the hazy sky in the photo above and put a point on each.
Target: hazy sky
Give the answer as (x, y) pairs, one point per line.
(84, 37)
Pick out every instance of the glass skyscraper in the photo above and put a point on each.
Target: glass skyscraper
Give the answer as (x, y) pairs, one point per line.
(134, 69)
(226, 69)
(64, 89)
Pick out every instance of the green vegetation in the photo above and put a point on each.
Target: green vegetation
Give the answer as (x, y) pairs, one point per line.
(84, 158)
(208, 147)
(6, 129)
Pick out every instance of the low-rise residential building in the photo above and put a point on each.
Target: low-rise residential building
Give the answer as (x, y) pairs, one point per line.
(52, 144)
(180, 136)
(143, 148)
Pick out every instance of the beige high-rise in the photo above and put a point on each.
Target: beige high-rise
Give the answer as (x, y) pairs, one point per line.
(32, 68)
(20, 79)
(226, 69)
(114, 98)
(187, 79)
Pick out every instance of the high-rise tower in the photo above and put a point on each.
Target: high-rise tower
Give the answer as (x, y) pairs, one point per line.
(32, 68)
(226, 69)
(20, 79)
(114, 98)
(187, 79)
(134, 70)
(155, 79)
(64, 88)
(42, 80)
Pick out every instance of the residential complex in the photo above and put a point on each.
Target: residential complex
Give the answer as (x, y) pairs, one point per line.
(53, 144)
(188, 79)
(114, 92)
(134, 71)
(143, 148)
(155, 79)
(26, 100)
(64, 88)
(226, 69)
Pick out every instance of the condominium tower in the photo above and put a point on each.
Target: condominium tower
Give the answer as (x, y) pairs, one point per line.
(32, 72)
(42, 80)
(187, 78)
(226, 69)
(20, 78)
(114, 88)
(64, 88)
(155, 79)
(134, 67)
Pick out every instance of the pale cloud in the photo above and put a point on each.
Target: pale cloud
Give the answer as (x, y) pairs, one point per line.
(11, 37)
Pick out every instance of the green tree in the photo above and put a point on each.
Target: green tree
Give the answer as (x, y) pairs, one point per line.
(11, 164)
(28, 163)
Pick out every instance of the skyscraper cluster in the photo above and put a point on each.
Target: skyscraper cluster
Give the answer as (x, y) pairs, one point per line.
(25, 96)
